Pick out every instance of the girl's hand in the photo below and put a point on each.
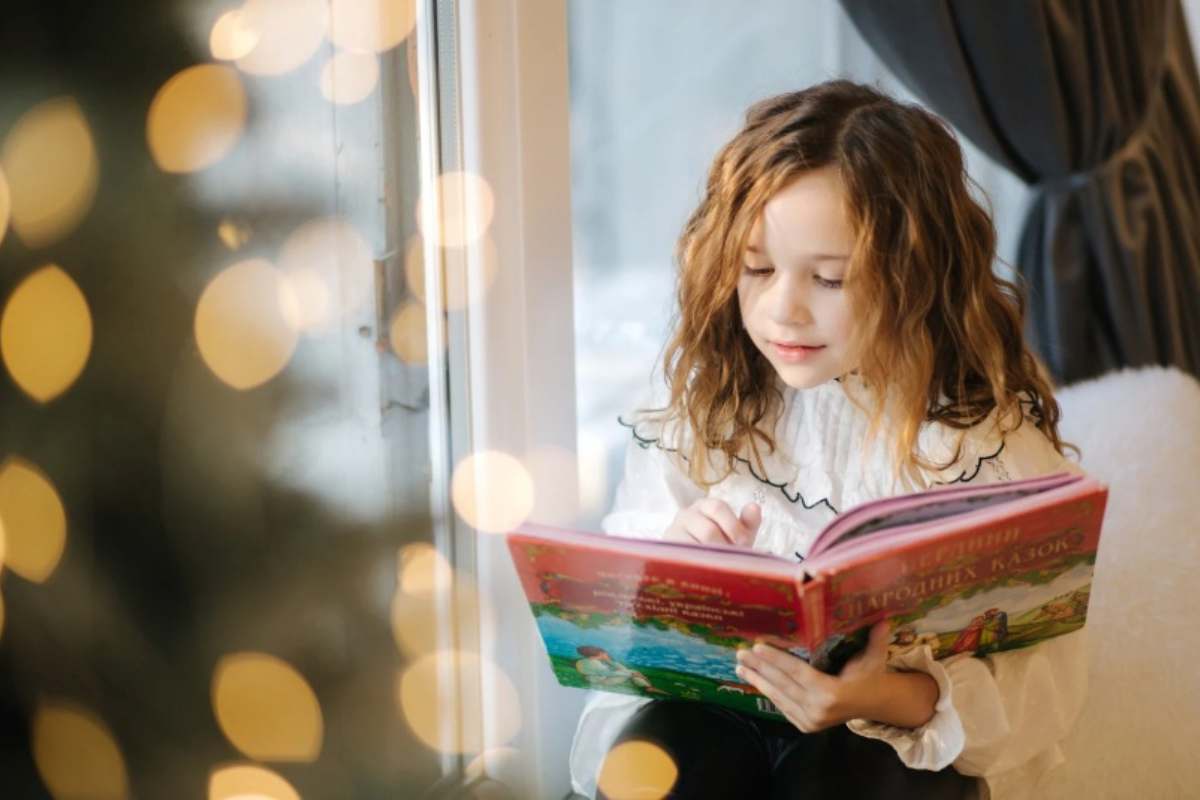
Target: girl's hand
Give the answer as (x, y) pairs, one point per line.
(712, 521)
(813, 701)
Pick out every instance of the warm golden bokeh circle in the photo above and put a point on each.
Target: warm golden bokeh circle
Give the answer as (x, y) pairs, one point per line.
(46, 333)
(492, 491)
(248, 782)
(35, 523)
(458, 212)
(407, 334)
(414, 267)
(349, 78)
(232, 38)
(266, 709)
(233, 233)
(423, 569)
(5, 205)
(196, 118)
(430, 598)
(329, 268)
(426, 692)
(50, 162)
(637, 770)
(370, 26)
(288, 33)
(243, 324)
(76, 754)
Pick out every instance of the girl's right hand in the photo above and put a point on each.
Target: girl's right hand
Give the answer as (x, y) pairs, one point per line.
(712, 521)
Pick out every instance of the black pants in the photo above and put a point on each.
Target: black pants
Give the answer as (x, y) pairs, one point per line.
(721, 753)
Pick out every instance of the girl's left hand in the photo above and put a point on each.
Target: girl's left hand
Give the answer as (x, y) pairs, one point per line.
(810, 699)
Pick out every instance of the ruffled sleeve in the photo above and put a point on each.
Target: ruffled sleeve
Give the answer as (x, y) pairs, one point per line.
(1000, 717)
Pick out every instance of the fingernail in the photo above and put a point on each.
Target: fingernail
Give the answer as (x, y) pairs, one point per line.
(741, 671)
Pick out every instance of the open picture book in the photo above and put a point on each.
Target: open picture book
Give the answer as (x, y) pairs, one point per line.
(962, 568)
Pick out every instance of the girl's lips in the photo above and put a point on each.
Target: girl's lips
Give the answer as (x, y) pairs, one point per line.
(796, 354)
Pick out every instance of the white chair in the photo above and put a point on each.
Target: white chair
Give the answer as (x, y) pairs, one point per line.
(1139, 431)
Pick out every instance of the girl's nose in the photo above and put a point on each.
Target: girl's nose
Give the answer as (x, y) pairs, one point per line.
(789, 303)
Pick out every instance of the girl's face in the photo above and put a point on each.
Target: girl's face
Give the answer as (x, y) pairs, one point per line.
(790, 290)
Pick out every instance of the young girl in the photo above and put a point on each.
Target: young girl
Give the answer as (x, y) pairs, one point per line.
(840, 337)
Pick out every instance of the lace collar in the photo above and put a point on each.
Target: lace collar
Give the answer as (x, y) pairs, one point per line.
(822, 461)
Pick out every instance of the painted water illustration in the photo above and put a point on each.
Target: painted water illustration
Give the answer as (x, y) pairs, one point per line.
(631, 644)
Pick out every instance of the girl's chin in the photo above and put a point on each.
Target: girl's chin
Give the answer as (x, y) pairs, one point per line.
(800, 378)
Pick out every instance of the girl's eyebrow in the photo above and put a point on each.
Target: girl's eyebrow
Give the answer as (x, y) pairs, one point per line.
(814, 257)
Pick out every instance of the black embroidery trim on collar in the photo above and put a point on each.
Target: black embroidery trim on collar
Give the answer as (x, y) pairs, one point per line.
(964, 478)
(645, 443)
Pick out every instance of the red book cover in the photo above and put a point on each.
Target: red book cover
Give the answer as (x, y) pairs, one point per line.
(964, 569)
(652, 618)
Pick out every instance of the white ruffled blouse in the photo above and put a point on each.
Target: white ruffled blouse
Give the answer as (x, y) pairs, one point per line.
(999, 717)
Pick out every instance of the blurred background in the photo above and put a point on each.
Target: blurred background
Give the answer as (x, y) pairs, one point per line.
(300, 300)
(214, 421)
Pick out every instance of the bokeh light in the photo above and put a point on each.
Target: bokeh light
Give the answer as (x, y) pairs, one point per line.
(35, 523)
(492, 491)
(196, 118)
(244, 324)
(423, 569)
(49, 159)
(76, 754)
(406, 332)
(288, 33)
(414, 267)
(370, 26)
(266, 709)
(349, 78)
(427, 587)
(248, 782)
(467, 205)
(637, 770)
(46, 333)
(426, 692)
(5, 206)
(233, 234)
(232, 38)
(330, 268)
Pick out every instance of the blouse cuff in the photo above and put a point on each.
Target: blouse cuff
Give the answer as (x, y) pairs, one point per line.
(934, 745)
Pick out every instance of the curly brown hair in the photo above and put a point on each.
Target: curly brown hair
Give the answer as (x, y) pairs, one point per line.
(937, 332)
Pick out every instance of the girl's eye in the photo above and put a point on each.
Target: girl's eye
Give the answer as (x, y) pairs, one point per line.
(827, 283)
(759, 271)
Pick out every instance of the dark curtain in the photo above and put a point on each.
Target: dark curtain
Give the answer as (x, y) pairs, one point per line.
(1096, 105)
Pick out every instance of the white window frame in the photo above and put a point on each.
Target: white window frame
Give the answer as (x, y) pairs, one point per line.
(503, 370)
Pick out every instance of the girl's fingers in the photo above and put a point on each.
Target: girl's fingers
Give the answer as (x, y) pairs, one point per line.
(788, 707)
(704, 530)
(798, 669)
(731, 527)
(776, 676)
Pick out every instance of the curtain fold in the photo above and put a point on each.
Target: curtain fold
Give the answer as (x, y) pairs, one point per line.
(1096, 105)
